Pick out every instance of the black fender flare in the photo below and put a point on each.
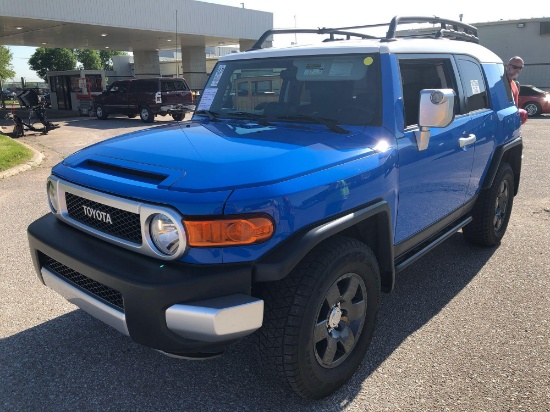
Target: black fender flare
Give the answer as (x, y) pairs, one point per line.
(278, 263)
(503, 152)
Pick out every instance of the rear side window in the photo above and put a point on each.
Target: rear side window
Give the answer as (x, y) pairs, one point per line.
(473, 83)
(144, 86)
(173, 85)
(419, 74)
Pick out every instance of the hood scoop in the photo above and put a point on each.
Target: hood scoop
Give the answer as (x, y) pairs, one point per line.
(125, 172)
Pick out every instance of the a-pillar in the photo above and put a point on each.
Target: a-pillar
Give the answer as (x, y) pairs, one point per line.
(146, 63)
(193, 66)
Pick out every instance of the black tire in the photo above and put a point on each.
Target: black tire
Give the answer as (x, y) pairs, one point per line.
(308, 317)
(100, 112)
(492, 211)
(178, 117)
(532, 108)
(146, 114)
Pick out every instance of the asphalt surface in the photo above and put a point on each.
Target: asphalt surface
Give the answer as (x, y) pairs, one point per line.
(467, 328)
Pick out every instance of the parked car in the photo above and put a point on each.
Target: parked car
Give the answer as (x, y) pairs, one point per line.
(533, 100)
(288, 209)
(146, 97)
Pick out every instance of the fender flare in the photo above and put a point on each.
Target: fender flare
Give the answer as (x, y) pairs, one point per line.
(278, 263)
(500, 153)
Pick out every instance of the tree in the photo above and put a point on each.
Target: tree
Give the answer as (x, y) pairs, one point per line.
(106, 57)
(6, 68)
(45, 59)
(89, 59)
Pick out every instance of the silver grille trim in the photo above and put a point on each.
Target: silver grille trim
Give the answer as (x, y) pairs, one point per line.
(144, 210)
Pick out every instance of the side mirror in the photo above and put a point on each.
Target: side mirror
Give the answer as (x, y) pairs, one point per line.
(437, 109)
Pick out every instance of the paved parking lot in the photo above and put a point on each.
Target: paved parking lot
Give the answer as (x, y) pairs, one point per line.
(467, 329)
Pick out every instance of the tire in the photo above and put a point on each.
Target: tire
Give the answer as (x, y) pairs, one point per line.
(146, 114)
(532, 108)
(18, 131)
(178, 117)
(492, 211)
(307, 318)
(100, 112)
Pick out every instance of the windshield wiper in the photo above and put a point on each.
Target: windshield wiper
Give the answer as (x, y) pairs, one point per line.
(330, 123)
(260, 118)
(212, 116)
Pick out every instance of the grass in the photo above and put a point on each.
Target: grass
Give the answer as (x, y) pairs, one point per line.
(12, 153)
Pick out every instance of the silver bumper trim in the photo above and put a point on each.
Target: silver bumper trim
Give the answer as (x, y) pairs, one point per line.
(212, 320)
(94, 307)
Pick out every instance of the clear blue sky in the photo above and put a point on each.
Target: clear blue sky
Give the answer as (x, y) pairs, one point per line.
(325, 13)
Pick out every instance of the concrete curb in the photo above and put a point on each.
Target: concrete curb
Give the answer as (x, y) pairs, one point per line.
(35, 161)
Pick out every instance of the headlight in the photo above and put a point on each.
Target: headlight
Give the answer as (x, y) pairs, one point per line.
(165, 234)
(52, 196)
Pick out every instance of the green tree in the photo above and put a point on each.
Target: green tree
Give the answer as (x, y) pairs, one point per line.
(89, 59)
(6, 68)
(106, 57)
(45, 59)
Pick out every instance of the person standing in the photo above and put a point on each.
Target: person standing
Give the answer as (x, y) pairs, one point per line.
(513, 70)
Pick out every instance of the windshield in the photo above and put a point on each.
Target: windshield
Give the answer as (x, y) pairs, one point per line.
(332, 89)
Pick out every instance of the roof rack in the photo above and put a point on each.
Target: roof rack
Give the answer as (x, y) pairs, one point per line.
(452, 29)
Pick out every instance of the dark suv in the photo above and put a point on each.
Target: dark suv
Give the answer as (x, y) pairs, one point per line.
(146, 97)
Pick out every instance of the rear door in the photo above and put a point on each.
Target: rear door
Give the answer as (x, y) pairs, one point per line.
(433, 183)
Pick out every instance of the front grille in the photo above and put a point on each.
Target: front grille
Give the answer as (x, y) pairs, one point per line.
(124, 225)
(100, 291)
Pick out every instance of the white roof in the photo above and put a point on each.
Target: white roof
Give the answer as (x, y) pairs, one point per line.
(406, 46)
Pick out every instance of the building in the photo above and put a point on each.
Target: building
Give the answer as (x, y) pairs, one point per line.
(527, 38)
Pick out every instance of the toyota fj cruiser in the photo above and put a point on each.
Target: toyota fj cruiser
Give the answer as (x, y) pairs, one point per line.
(307, 178)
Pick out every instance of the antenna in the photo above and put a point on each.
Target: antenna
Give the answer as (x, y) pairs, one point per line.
(177, 64)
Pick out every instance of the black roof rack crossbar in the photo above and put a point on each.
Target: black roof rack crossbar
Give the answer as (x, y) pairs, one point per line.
(322, 30)
(457, 26)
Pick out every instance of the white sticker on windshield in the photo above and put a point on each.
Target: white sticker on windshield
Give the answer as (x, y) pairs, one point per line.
(314, 69)
(475, 87)
(207, 98)
(342, 69)
(217, 76)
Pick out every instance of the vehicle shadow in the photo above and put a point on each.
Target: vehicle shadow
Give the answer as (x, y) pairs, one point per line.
(75, 362)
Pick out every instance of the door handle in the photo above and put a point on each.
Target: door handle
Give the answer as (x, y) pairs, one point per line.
(465, 141)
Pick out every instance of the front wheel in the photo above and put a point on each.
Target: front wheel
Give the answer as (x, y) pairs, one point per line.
(492, 211)
(320, 319)
(100, 112)
(178, 117)
(146, 114)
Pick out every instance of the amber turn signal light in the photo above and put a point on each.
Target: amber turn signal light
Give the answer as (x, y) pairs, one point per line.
(228, 232)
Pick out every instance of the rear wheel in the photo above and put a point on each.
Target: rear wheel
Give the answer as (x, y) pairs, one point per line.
(178, 117)
(532, 108)
(320, 319)
(146, 114)
(100, 112)
(492, 211)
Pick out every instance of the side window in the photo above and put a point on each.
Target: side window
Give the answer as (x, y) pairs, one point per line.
(122, 87)
(419, 74)
(473, 84)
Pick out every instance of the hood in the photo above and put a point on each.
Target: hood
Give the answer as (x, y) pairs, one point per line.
(219, 156)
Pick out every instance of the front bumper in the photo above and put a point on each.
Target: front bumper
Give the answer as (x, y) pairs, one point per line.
(170, 306)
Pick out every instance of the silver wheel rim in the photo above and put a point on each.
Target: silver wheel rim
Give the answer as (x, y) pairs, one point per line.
(501, 205)
(340, 320)
(144, 114)
(531, 109)
(99, 111)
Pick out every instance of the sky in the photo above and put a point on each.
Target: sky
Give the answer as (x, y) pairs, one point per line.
(325, 13)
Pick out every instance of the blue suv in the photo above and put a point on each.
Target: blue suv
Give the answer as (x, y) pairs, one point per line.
(307, 178)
